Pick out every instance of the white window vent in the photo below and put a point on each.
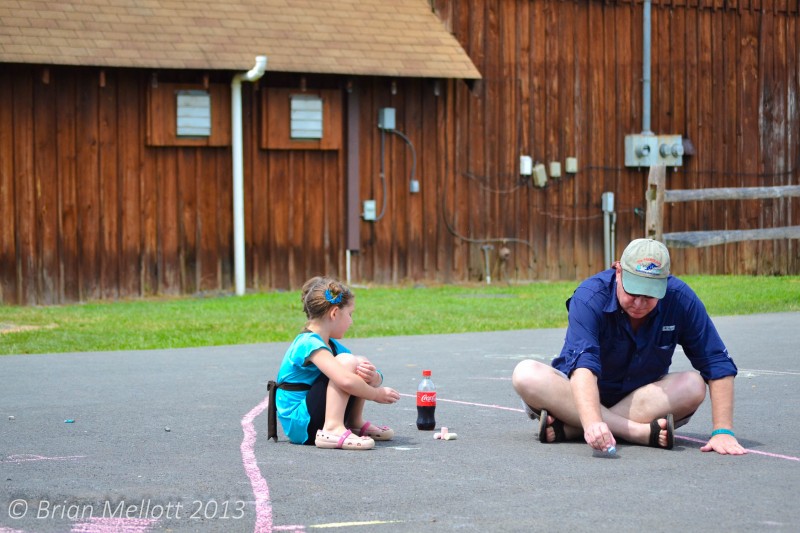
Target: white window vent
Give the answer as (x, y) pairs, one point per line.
(194, 113)
(306, 118)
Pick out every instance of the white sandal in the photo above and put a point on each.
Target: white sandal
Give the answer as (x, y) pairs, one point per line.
(347, 441)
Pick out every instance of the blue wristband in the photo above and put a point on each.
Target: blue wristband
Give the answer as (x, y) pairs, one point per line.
(381, 374)
(722, 432)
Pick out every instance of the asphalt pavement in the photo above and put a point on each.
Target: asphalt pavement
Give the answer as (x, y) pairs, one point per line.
(175, 440)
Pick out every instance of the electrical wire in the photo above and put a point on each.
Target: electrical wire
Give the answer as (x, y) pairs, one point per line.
(383, 176)
(565, 217)
(480, 179)
(383, 165)
(472, 240)
(413, 151)
(452, 229)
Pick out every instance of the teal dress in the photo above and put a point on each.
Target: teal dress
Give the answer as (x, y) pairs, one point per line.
(296, 368)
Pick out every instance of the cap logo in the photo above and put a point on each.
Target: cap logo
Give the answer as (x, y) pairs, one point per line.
(648, 265)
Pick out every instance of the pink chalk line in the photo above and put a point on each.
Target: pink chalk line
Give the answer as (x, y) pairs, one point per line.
(470, 403)
(767, 454)
(25, 458)
(114, 525)
(9, 530)
(257, 481)
(261, 490)
(775, 455)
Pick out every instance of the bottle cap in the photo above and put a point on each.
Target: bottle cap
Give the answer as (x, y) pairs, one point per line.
(426, 373)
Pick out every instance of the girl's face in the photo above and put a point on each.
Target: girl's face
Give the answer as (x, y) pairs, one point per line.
(342, 319)
(634, 305)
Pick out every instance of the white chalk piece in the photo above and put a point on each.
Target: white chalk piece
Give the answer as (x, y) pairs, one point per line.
(12, 417)
(167, 429)
(450, 436)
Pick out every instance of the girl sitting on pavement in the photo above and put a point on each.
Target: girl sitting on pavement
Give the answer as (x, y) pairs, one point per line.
(321, 386)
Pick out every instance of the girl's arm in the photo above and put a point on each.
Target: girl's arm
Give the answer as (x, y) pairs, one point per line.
(350, 382)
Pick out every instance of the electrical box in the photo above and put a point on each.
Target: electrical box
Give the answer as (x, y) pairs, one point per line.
(369, 210)
(641, 150)
(607, 199)
(539, 175)
(670, 150)
(525, 165)
(650, 150)
(555, 169)
(572, 165)
(386, 118)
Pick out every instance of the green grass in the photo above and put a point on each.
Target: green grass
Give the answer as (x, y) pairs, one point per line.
(380, 311)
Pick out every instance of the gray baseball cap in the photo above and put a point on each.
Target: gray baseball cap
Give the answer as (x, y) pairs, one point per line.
(645, 268)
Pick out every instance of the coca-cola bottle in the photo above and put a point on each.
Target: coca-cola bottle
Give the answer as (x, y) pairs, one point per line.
(426, 402)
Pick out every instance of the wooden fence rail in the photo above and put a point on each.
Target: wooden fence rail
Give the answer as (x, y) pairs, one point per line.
(730, 193)
(656, 196)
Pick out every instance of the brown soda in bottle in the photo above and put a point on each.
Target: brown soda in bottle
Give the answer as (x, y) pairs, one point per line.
(426, 403)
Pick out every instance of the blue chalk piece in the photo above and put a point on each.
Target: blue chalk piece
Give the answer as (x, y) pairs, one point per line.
(611, 450)
(69, 421)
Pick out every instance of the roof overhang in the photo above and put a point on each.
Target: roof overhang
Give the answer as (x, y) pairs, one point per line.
(401, 38)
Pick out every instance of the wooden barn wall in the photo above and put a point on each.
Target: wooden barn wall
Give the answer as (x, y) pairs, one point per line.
(562, 78)
(295, 217)
(89, 210)
(409, 240)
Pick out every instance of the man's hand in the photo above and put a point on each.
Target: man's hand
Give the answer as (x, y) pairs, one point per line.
(724, 444)
(599, 437)
(721, 392)
(587, 401)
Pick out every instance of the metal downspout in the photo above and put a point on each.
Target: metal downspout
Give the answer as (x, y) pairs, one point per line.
(252, 75)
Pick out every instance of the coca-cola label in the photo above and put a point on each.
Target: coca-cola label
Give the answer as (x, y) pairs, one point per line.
(426, 398)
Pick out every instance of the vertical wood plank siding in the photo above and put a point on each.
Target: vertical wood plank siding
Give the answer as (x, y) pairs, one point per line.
(724, 74)
(89, 210)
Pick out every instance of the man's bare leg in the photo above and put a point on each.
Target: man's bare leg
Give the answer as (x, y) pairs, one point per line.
(542, 387)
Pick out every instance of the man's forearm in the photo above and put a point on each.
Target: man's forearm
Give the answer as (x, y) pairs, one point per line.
(721, 392)
(586, 396)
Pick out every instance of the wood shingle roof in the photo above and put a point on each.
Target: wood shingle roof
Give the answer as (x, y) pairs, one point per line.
(359, 37)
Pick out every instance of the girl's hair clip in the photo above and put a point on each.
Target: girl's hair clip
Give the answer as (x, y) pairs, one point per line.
(331, 300)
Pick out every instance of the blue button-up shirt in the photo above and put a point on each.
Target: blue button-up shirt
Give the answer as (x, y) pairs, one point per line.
(600, 338)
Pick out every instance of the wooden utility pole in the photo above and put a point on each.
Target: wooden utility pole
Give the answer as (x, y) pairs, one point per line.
(654, 198)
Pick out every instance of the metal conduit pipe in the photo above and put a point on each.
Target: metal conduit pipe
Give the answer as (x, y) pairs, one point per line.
(252, 75)
(646, 49)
